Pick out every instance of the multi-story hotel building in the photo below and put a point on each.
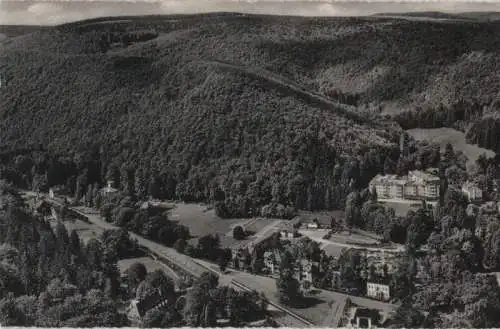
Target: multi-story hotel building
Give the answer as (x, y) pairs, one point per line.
(417, 185)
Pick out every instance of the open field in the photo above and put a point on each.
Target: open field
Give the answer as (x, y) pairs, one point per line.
(401, 209)
(202, 221)
(333, 250)
(343, 240)
(456, 138)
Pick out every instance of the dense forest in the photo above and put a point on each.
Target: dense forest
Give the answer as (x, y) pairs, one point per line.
(148, 104)
(49, 278)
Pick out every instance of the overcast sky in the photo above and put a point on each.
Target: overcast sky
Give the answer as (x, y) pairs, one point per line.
(56, 12)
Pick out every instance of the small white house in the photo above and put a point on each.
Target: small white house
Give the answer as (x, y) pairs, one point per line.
(378, 291)
(472, 192)
(272, 261)
(285, 234)
(312, 226)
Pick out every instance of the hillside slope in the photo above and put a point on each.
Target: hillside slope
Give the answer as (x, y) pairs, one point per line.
(397, 63)
(153, 109)
(210, 100)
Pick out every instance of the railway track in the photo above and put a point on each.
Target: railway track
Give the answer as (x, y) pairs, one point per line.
(275, 305)
(176, 265)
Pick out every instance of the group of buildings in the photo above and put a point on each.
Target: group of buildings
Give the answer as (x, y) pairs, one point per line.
(302, 270)
(417, 185)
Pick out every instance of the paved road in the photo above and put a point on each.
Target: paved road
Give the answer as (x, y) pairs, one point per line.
(187, 263)
(260, 284)
(334, 316)
(236, 278)
(267, 228)
(397, 249)
(268, 285)
(182, 260)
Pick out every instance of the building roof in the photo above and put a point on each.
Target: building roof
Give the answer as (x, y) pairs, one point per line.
(388, 179)
(109, 189)
(380, 282)
(267, 235)
(425, 176)
(151, 301)
(366, 312)
(273, 255)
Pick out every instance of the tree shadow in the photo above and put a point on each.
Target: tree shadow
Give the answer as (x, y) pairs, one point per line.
(307, 301)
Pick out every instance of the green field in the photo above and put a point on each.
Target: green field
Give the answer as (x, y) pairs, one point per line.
(201, 221)
(456, 138)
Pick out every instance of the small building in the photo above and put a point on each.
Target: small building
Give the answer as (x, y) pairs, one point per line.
(313, 225)
(43, 208)
(138, 308)
(261, 240)
(378, 291)
(472, 210)
(272, 261)
(472, 192)
(109, 190)
(482, 224)
(241, 259)
(336, 280)
(303, 274)
(488, 208)
(286, 234)
(361, 317)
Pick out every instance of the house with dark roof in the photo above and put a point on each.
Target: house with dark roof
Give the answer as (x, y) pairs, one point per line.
(43, 208)
(154, 300)
(361, 317)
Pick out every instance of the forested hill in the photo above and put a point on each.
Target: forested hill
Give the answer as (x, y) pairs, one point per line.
(134, 99)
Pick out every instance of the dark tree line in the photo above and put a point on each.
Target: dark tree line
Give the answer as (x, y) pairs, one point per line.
(443, 115)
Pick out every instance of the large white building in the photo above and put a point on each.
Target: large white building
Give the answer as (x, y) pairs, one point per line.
(416, 185)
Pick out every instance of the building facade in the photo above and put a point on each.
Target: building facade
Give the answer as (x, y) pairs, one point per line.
(272, 261)
(472, 192)
(378, 291)
(417, 185)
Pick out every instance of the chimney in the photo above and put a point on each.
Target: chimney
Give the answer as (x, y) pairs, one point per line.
(110, 183)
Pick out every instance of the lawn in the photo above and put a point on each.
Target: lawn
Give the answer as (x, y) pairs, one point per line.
(401, 209)
(333, 250)
(201, 221)
(442, 136)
